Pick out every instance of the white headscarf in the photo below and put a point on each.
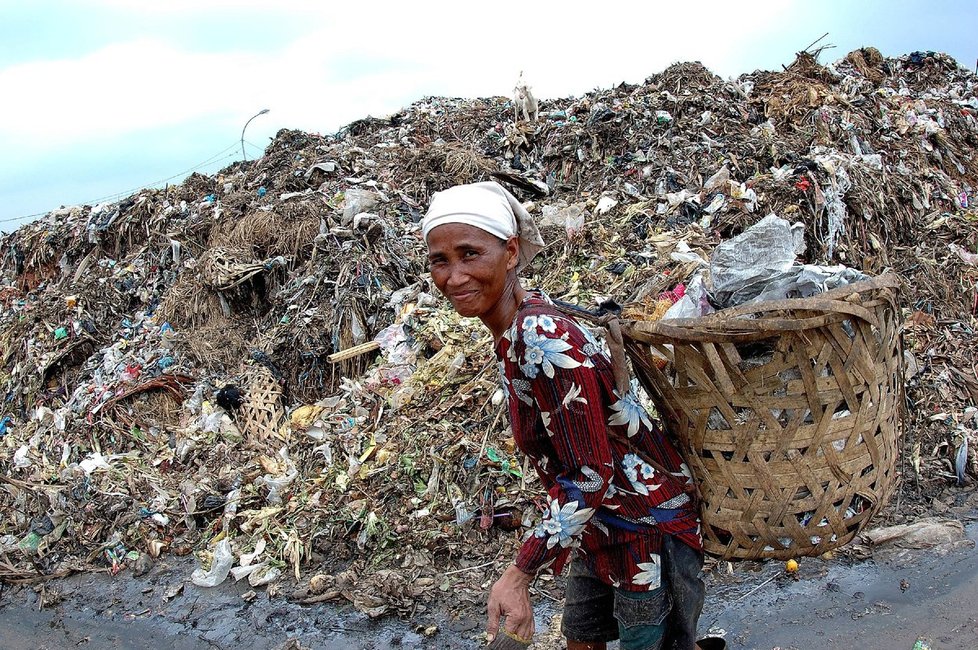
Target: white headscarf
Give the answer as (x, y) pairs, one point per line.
(487, 206)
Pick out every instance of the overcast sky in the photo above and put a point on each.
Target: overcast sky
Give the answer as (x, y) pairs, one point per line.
(106, 96)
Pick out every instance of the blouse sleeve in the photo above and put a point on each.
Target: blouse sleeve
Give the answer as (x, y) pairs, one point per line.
(552, 355)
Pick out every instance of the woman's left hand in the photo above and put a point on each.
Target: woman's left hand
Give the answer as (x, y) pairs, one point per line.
(510, 597)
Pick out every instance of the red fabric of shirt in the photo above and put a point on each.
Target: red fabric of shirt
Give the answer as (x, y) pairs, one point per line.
(602, 498)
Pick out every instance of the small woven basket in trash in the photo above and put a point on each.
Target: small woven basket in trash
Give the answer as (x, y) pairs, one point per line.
(787, 411)
(262, 412)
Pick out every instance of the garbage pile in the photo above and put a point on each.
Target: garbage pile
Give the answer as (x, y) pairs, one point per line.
(254, 367)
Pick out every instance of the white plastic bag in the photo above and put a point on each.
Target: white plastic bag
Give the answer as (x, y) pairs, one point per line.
(220, 566)
(741, 267)
(278, 484)
(356, 201)
(694, 303)
(570, 217)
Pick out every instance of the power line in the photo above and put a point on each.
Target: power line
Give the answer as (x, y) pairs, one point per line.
(254, 146)
(197, 167)
(218, 157)
(118, 195)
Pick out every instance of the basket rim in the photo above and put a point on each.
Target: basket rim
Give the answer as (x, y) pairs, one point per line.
(742, 323)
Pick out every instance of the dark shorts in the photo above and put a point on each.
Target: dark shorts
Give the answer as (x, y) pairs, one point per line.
(661, 619)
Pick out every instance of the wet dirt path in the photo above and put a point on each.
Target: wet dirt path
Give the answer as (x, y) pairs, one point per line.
(886, 603)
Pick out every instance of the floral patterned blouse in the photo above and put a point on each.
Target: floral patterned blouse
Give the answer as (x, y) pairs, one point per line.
(603, 499)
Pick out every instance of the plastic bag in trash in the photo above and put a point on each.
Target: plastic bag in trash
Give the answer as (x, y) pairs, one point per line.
(221, 561)
(742, 266)
(694, 303)
(356, 201)
(570, 218)
(395, 344)
(257, 574)
(718, 182)
(807, 280)
(279, 482)
(22, 458)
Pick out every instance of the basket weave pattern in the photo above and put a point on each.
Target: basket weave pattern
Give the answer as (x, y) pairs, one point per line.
(262, 412)
(787, 413)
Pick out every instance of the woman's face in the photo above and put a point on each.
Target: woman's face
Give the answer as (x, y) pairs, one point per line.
(470, 266)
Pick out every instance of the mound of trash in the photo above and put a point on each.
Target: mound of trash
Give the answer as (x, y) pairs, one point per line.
(255, 368)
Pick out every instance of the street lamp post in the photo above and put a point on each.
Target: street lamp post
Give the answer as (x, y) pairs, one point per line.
(261, 112)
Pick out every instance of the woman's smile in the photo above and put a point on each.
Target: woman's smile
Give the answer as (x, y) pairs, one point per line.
(463, 296)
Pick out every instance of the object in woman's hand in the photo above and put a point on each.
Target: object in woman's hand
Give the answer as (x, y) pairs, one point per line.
(507, 641)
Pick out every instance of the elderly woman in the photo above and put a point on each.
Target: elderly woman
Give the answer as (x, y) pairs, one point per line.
(619, 493)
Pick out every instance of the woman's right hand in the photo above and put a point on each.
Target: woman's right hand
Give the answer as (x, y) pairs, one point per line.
(510, 597)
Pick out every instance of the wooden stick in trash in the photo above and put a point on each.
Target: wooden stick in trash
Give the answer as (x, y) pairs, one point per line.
(355, 351)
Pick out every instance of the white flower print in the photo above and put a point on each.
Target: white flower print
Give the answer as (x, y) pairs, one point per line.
(545, 418)
(599, 525)
(547, 353)
(649, 573)
(629, 411)
(684, 471)
(523, 390)
(677, 501)
(589, 349)
(504, 380)
(529, 323)
(510, 335)
(562, 524)
(638, 472)
(534, 355)
(573, 395)
(593, 345)
(547, 324)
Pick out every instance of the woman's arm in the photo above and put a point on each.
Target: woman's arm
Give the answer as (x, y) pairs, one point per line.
(553, 356)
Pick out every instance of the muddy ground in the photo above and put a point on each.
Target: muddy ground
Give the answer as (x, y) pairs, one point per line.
(886, 602)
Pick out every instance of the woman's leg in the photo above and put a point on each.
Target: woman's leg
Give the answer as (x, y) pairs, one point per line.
(681, 572)
(588, 622)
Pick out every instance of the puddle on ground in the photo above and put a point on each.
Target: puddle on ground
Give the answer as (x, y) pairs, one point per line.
(885, 603)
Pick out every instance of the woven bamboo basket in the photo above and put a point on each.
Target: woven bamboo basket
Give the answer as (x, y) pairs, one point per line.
(787, 413)
(262, 412)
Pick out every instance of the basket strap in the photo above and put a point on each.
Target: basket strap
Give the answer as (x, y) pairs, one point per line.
(617, 346)
(616, 343)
